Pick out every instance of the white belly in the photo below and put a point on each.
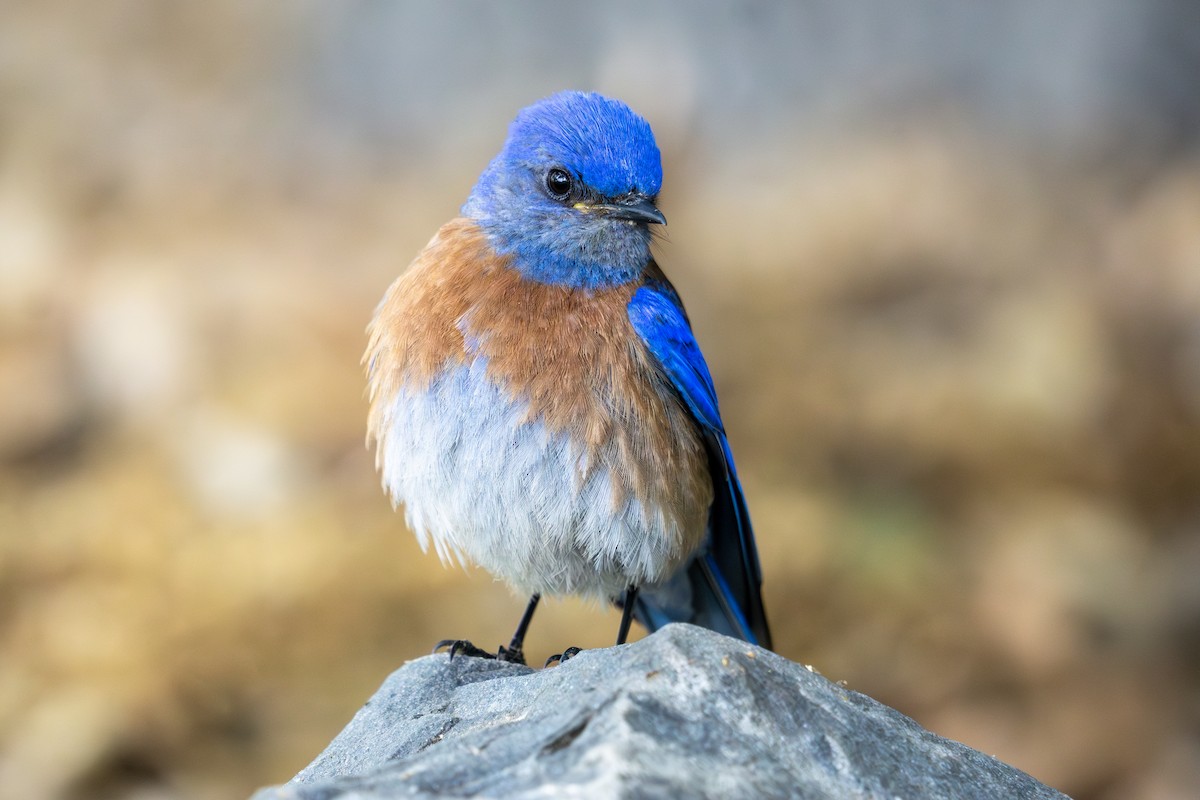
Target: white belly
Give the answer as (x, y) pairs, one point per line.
(486, 486)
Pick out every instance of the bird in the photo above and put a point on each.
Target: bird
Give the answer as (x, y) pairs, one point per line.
(538, 402)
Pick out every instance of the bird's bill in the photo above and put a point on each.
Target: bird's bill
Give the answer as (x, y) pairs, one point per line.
(636, 210)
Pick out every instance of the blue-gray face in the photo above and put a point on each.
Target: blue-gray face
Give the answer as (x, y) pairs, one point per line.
(572, 193)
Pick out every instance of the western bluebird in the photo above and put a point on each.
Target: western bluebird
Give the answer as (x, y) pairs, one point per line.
(539, 403)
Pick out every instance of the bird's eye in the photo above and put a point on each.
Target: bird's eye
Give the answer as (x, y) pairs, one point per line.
(558, 183)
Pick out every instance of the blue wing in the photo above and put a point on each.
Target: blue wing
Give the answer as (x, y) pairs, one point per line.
(720, 586)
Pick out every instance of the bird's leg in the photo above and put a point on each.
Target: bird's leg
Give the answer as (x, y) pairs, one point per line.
(513, 653)
(627, 614)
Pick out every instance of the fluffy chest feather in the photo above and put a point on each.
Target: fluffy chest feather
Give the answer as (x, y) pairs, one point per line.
(526, 426)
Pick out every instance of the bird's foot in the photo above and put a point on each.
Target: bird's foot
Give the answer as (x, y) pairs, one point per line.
(462, 647)
(565, 655)
(512, 656)
(466, 648)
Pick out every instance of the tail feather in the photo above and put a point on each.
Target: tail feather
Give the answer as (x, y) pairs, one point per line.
(701, 596)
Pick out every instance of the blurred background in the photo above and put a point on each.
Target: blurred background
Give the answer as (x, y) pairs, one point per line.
(944, 259)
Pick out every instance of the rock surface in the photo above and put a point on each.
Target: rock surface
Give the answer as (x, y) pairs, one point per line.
(685, 713)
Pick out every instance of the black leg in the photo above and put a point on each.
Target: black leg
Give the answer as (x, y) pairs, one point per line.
(627, 614)
(515, 651)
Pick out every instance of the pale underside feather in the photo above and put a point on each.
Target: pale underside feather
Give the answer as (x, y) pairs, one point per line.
(485, 483)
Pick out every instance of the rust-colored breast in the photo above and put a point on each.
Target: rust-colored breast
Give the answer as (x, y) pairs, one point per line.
(416, 330)
(568, 355)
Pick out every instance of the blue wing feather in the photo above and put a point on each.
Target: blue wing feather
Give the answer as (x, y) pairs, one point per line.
(720, 587)
(659, 320)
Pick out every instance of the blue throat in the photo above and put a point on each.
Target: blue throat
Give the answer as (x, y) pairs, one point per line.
(548, 266)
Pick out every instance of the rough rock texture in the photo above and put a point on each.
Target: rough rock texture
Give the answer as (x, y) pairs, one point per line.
(683, 713)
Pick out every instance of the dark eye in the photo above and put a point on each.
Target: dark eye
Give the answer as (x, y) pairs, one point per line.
(558, 183)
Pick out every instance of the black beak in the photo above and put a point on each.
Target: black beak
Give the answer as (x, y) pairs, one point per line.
(635, 209)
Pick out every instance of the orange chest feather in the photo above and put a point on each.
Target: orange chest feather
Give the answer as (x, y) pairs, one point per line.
(570, 354)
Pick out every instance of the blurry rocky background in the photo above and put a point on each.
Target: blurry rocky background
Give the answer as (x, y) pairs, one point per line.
(944, 259)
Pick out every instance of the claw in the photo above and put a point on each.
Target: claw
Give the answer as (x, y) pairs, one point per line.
(466, 648)
(463, 647)
(565, 655)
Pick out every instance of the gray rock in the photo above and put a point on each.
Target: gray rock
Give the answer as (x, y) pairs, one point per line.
(685, 713)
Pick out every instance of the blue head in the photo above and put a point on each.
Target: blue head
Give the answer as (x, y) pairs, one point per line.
(572, 193)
